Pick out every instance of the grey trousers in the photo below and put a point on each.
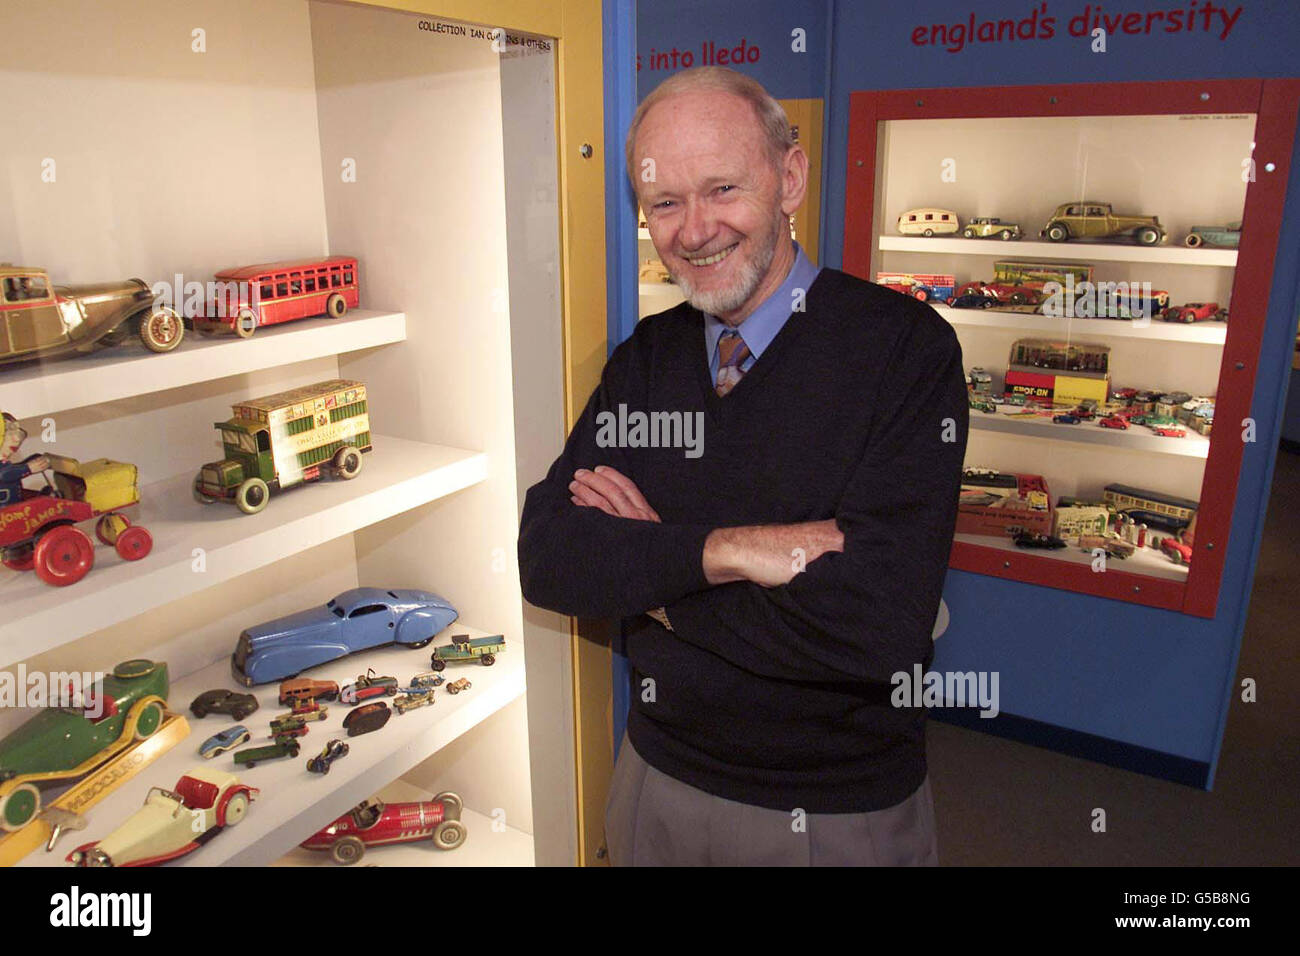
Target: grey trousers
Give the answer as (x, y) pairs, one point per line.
(653, 819)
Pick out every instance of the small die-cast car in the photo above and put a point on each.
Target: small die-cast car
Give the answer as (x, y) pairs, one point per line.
(224, 740)
(1168, 431)
(456, 686)
(982, 406)
(62, 743)
(1222, 237)
(355, 620)
(413, 699)
(42, 320)
(366, 719)
(428, 679)
(302, 689)
(928, 222)
(1066, 419)
(1123, 394)
(367, 686)
(973, 300)
(1114, 421)
(1111, 543)
(288, 727)
(332, 752)
(1001, 293)
(1177, 551)
(1088, 219)
(1084, 413)
(223, 701)
(1195, 312)
(308, 710)
(1034, 539)
(283, 747)
(464, 648)
(985, 227)
(172, 822)
(373, 823)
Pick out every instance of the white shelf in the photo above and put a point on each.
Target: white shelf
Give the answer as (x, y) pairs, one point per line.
(1072, 251)
(42, 388)
(1198, 333)
(293, 804)
(1135, 438)
(483, 846)
(398, 475)
(1146, 561)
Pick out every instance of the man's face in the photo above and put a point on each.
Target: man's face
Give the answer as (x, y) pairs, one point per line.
(714, 207)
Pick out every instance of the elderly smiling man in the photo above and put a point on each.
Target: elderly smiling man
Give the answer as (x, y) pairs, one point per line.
(772, 585)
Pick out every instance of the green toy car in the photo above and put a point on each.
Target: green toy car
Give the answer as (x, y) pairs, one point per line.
(283, 747)
(464, 648)
(61, 744)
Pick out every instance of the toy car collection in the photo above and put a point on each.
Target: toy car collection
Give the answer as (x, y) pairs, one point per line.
(1088, 219)
(366, 719)
(61, 744)
(43, 320)
(223, 701)
(282, 747)
(332, 752)
(172, 822)
(224, 740)
(355, 620)
(463, 648)
(38, 530)
(373, 823)
(367, 686)
(287, 439)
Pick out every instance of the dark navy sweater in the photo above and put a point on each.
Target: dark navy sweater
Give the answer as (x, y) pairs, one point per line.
(776, 697)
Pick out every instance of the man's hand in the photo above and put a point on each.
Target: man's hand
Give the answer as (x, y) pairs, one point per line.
(767, 554)
(611, 492)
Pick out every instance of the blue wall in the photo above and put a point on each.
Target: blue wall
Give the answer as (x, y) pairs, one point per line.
(1150, 678)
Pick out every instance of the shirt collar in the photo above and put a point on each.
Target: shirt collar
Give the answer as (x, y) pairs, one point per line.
(761, 326)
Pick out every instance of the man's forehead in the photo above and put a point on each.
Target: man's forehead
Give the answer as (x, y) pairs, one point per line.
(694, 122)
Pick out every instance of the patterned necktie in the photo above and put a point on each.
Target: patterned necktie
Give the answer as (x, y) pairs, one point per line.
(732, 353)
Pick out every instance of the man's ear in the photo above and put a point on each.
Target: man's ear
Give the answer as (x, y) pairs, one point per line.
(794, 179)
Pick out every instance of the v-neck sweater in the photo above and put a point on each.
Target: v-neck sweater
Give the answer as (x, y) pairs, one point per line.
(776, 697)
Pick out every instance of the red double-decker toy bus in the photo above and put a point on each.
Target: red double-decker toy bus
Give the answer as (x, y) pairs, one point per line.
(252, 296)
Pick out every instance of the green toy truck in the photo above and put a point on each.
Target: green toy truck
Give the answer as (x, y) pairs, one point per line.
(463, 648)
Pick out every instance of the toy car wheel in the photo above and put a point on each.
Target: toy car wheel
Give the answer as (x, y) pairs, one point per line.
(134, 543)
(347, 462)
(1147, 236)
(452, 804)
(1192, 241)
(928, 232)
(64, 556)
(252, 495)
(19, 559)
(488, 660)
(347, 850)
(19, 807)
(1057, 233)
(236, 808)
(437, 664)
(149, 720)
(1017, 298)
(246, 323)
(336, 306)
(162, 330)
(250, 763)
(449, 835)
(1006, 234)
(968, 233)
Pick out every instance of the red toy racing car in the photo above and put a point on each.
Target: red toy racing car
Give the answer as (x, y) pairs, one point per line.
(372, 823)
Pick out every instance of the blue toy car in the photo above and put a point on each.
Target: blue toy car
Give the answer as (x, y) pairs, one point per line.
(1066, 419)
(356, 620)
(221, 742)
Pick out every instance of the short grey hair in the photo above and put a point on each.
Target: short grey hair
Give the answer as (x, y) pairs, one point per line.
(771, 115)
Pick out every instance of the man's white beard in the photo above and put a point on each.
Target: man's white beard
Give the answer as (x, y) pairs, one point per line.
(731, 297)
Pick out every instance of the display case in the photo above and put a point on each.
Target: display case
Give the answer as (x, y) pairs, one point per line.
(351, 233)
(1088, 243)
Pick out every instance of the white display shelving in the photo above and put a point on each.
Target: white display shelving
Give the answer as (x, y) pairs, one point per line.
(129, 370)
(1135, 437)
(1197, 333)
(293, 803)
(1145, 561)
(1070, 251)
(398, 475)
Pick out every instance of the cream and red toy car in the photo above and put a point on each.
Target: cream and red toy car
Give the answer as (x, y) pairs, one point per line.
(173, 822)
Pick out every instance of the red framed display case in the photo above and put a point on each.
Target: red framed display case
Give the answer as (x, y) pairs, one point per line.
(1176, 132)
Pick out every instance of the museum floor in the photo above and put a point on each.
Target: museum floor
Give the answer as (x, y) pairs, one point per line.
(999, 802)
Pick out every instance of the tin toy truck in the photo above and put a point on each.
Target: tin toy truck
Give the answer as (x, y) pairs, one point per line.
(42, 320)
(286, 439)
(275, 292)
(464, 648)
(38, 531)
(61, 744)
